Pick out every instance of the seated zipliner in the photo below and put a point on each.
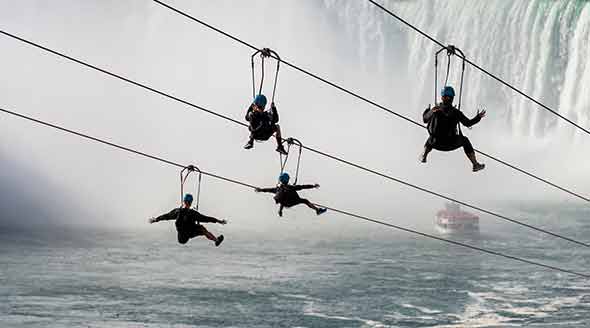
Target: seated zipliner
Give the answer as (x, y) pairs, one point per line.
(442, 121)
(188, 222)
(263, 123)
(286, 195)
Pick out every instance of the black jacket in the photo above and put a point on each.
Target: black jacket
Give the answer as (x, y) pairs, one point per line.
(260, 120)
(444, 123)
(286, 193)
(186, 217)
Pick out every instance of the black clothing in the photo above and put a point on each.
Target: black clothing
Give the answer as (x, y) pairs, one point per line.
(190, 232)
(294, 201)
(286, 194)
(184, 216)
(262, 124)
(187, 222)
(264, 133)
(442, 126)
(444, 123)
(450, 143)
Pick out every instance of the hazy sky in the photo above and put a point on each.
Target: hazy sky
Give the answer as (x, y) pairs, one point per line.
(144, 41)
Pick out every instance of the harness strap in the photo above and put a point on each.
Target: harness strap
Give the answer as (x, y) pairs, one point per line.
(265, 53)
(184, 174)
(451, 51)
(290, 142)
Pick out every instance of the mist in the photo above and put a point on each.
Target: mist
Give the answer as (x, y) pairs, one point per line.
(354, 46)
(27, 199)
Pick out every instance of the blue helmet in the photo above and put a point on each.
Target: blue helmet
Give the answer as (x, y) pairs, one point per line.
(447, 91)
(260, 101)
(284, 178)
(188, 198)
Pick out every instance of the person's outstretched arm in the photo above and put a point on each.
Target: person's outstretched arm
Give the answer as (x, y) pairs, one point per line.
(309, 186)
(165, 217)
(471, 122)
(198, 217)
(271, 190)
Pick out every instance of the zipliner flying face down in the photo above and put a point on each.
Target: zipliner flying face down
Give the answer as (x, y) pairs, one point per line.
(286, 195)
(188, 222)
(443, 120)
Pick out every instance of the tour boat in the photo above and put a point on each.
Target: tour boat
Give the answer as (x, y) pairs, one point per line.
(453, 220)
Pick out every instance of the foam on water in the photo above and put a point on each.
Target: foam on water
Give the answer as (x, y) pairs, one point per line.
(48, 286)
(309, 310)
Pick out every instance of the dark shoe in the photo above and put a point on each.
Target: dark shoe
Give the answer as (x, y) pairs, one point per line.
(249, 145)
(282, 150)
(320, 211)
(422, 158)
(219, 240)
(478, 167)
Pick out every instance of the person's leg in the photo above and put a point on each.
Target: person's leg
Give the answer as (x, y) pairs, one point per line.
(427, 149)
(293, 202)
(209, 235)
(250, 142)
(318, 210)
(200, 230)
(308, 203)
(278, 136)
(281, 210)
(470, 152)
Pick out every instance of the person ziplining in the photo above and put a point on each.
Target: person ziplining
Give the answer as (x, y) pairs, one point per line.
(187, 220)
(286, 194)
(444, 118)
(442, 122)
(263, 124)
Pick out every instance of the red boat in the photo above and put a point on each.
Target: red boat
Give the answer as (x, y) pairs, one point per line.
(453, 220)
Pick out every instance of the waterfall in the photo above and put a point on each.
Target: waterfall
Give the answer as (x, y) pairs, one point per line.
(541, 47)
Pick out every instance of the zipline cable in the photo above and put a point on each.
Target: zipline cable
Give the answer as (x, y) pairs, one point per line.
(336, 158)
(373, 103)
(553, 111)
(244, 184)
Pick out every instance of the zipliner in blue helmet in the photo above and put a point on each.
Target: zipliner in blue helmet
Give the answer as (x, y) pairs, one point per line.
(263, 124)
(284, 178)
(188, 222)
(447, 91)
(286, 195)
(188, 198)
(260, 101)
(442, 121)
